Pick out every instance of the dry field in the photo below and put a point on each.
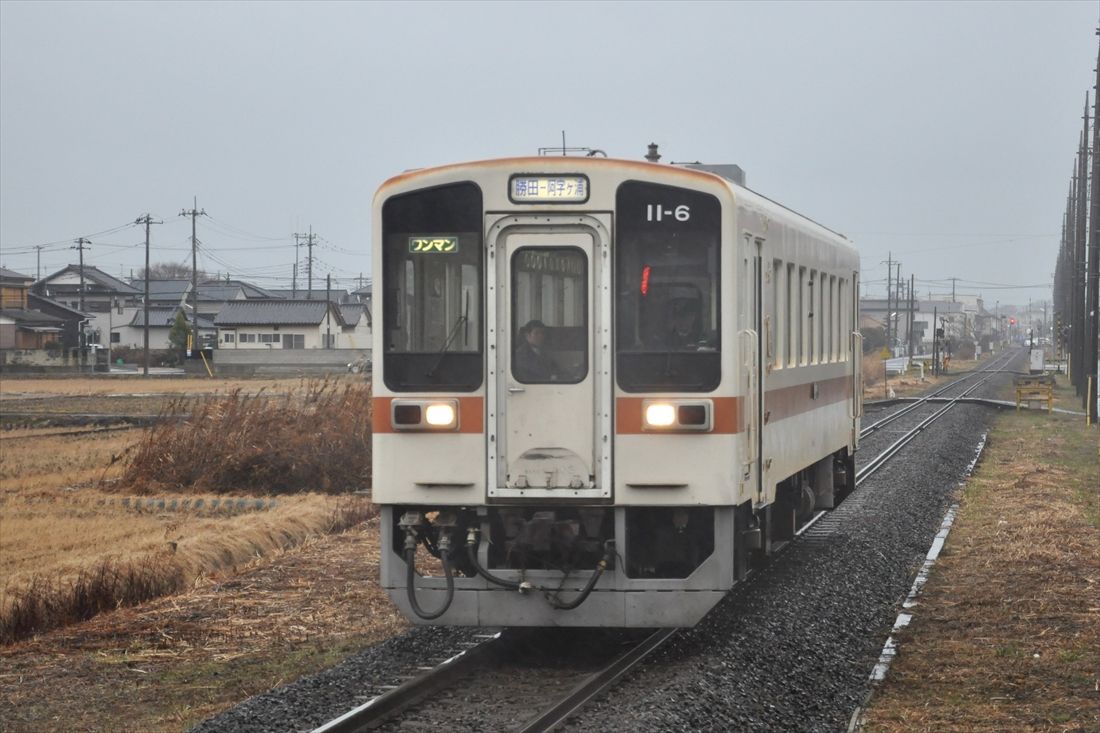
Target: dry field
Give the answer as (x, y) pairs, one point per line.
(67, 529)
(1006, 636)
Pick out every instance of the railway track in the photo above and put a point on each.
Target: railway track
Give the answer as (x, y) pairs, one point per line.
(986, 372)
(381, 710)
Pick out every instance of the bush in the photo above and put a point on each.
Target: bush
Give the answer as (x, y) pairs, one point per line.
(315, 438)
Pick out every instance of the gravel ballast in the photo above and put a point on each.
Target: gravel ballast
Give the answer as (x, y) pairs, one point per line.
(791, 650)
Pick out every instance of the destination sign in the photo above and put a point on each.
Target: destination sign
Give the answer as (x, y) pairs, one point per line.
(433, 245)
(548, 189)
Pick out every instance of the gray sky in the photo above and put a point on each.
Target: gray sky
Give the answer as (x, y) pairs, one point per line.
(943, 132)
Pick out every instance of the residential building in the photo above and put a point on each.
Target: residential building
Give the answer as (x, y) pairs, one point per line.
(288, 324)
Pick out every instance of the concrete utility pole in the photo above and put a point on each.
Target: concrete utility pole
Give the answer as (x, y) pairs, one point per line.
(889, 285)
(38, 262)
(1080, 208)
(294, 277)
(309, 241)
(147, 220)
(81, 245)
(912, 314)
(1092, 330)
(194, 213)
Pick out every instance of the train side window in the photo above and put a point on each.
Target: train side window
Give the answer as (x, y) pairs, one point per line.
(828, 321)
(813, 317)
(779, 305)
(791, 317)
(845, 339)
(803, 320)
(834, 309)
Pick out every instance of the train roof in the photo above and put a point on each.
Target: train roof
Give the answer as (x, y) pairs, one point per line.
(644, 169)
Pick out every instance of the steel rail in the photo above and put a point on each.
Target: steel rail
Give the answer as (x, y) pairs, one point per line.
(1007, 357)
(880, 460)
(378, 710)
(596, 684)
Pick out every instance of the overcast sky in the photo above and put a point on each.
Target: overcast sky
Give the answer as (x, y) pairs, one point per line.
(941, 132)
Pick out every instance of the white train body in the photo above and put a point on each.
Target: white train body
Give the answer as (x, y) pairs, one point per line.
(692, 397)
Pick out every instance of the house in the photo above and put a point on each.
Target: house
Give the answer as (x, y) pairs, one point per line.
(105, 299)
(72, 319)
(211, 295)
(26, 329)
(357, 325)
(336, 295)
(21, 326)
(13, 289)
(285, 324)
(161, 320)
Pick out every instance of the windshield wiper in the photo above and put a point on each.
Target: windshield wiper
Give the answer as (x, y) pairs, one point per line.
(461, 320)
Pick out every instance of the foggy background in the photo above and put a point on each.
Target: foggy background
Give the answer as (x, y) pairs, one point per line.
(944, 133)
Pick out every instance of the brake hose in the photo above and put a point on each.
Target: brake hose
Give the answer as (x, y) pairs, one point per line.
(471, 553)
(552, 599)
(410, 575)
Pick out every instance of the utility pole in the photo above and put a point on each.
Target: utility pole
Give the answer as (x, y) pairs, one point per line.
(328, 311)
(309, 241)
(889, 283)
(912, 314)
(147, 220)
(294, 277)
(953, 280)
(897, 322)
(81, 245)
(1080, 209)
(1092, 277)
(194, 213)
(38, 262)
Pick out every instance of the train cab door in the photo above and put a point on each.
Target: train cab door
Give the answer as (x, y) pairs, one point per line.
(754, 345)
(549, 411)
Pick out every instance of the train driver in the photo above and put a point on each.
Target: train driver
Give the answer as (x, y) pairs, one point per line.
(531, 362)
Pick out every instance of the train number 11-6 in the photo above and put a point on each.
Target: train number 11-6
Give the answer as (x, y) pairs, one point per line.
(657, 212)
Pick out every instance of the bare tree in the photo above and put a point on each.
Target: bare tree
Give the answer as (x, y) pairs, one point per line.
(170, 271)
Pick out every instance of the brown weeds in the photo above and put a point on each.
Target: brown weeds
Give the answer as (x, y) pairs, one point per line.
(51, 602)
(316, 437)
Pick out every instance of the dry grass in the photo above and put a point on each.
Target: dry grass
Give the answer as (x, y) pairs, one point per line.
(84, 558)
(170, 663)
(71, 544)
(1007, 634)
(316, 437)
(18, 387)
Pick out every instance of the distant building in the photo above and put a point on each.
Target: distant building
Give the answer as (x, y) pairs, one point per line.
(22, 326)
(290, 324)
(161, 320)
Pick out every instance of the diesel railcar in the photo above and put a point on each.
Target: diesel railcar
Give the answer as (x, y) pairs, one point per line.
(602, 388)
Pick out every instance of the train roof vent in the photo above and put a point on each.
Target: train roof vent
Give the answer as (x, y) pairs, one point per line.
(729, 171)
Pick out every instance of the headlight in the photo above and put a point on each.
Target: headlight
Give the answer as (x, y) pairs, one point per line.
(424, 415)
(676, 416)
(659, 415)
(440, 415)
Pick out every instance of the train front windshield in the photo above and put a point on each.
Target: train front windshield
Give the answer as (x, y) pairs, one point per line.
(667, 275)
(432, 307)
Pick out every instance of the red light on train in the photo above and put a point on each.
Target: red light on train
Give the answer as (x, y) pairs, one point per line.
(1012, 321)
(645, 280)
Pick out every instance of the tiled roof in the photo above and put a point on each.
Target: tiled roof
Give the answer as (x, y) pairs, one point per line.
(275, 313)
(6, 274)
(352, 312)
(31, 318)
(164, 317)
(95, 275)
